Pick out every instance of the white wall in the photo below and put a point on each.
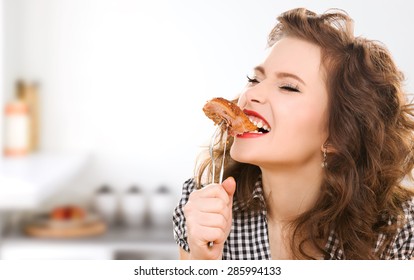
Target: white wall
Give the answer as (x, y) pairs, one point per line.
(125, 81)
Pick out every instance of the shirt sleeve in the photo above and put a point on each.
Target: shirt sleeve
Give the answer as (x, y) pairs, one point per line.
(179, 225)
(403, 246)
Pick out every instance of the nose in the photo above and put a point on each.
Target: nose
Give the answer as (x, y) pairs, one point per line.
(255, 94)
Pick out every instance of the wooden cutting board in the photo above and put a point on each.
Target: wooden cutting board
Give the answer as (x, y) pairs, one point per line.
(65, 229)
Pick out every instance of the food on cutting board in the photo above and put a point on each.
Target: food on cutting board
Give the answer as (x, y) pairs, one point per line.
(66, 221)
(222, 110)
(67, 213)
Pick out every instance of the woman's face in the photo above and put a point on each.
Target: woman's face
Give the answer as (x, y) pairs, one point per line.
(287, 93)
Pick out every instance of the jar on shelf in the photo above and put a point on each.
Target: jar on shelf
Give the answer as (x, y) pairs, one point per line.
(106, 204)
(133, 207)
(28, 94)
(16, 129)
(161, 206)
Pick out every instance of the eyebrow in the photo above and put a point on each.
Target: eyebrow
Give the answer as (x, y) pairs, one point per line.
(280, 74)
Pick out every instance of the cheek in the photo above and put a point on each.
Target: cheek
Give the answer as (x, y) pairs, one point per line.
(310, 126)
(311, 121)
(301, 125)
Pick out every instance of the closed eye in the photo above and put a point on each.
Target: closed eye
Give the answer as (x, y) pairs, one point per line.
(290, 88)
(252, 80)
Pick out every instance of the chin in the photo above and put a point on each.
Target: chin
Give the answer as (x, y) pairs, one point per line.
(243, 155)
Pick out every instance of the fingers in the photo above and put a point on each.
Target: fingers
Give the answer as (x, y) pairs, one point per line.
(229, 186)
(212, 220)
(206, 227)
(206, 235)
(213, 205)
(208, 214)
(211, 199)
(210, 191)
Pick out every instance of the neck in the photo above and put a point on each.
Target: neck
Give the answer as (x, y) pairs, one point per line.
(290, 191)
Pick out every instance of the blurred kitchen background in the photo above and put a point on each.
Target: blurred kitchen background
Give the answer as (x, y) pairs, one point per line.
(102, 120)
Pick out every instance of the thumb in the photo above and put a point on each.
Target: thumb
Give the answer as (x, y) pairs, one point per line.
(229, 186)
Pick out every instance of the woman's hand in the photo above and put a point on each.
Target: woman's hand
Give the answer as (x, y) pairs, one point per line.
(208, 215)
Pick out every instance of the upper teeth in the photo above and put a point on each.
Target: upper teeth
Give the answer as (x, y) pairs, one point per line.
(259, 123)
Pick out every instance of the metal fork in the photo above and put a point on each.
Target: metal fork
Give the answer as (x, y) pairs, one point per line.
(211, 150)
(213, 160)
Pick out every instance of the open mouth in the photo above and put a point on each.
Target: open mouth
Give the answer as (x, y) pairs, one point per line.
(261, 124)
(261, 127)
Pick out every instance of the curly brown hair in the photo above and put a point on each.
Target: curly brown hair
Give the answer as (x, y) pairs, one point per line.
(371, 132)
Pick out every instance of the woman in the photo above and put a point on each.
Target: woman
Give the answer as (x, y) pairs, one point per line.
(325, 181)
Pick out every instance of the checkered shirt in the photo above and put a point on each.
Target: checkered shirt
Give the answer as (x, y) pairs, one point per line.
(248, 238)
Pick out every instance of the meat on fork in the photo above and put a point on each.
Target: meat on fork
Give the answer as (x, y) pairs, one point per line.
(219, 109)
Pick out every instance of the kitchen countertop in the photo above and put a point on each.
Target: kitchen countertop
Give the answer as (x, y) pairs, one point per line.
(144, 242)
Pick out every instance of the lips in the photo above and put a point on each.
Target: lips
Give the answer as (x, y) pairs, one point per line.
(260, 122)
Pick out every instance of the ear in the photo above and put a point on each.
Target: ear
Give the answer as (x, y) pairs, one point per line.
(329, 148)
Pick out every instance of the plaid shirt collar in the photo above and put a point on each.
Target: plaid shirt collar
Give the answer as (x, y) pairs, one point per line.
(257, 194)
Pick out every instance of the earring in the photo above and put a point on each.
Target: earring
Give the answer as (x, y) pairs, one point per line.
(324, 164)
